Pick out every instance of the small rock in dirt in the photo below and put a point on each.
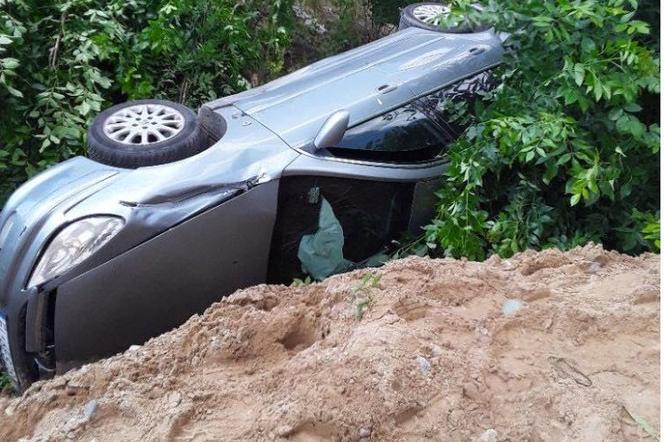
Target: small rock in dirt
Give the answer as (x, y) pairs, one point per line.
(133, 348)
(548, 323)
(89, 409)
(644, 294)
(512, 306)
(425, 365)
(284, 430)
(174, 399)
(489, 435)
(602, 260)
(472, 392)
(59, 382)
(71, 391)
(364, 433)
(455, 416)
(537, 294)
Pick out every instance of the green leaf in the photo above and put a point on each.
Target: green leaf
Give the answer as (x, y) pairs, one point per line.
(579, 73)
(641, 422)
(9, 63)
(84, 108)
(587, 44)
(565, 158)
(633, 107)
(597, 90)
(14, 92)
(636, 128)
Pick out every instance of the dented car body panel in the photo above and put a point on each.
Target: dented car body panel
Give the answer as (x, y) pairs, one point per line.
(197, 229)
(145, 287)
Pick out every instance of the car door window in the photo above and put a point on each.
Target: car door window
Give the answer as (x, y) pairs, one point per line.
(439, 104)
(403, 129)
(405, 134)
(418, 131)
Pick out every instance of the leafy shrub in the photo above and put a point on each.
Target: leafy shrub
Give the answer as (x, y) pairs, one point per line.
(350, 23)
(61, 62)
(566, 150)
(388, 11)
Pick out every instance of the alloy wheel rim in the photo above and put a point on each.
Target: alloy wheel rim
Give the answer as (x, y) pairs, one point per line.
(144, 124)
(430, 14)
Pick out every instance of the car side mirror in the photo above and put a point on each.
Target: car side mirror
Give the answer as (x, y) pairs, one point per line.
(332, 131)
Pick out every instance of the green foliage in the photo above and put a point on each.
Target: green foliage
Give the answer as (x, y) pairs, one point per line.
(351, 23)
(361, 298)
(61, 62)
(388, 11)
(297, 282)
(566, 150)
(4, 380)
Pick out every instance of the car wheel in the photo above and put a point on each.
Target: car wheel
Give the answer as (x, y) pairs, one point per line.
(427, 15)
(145, 133)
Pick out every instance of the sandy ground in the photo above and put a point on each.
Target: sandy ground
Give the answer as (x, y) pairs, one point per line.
(543, 347)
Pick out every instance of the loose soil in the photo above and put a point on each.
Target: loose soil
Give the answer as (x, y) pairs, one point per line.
(545, 346)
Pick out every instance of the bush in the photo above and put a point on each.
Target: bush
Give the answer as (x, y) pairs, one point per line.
(566, 150)
(61, 62)
(349, 23)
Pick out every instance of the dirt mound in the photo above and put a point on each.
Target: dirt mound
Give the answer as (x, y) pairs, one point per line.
(543, 346)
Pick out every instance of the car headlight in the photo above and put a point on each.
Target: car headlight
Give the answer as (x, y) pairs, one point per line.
(73, 245)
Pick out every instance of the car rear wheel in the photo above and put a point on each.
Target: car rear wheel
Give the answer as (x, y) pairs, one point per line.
(429, 16)
(145, 133)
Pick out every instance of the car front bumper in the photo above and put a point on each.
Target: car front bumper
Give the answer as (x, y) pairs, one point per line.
(28, 220)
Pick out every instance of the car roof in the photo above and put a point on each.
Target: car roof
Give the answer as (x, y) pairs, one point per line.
(366, 81)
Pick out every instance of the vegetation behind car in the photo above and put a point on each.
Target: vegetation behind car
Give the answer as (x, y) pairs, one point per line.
(566, 151)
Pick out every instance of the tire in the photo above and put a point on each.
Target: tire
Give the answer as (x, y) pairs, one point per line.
(410, 20)
(145, 133)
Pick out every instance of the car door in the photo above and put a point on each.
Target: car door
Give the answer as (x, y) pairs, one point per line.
(380, 181)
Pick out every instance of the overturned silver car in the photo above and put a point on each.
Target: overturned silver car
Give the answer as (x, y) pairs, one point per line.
(311, 174)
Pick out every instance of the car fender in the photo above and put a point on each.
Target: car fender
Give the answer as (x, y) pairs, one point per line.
(159, 284)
